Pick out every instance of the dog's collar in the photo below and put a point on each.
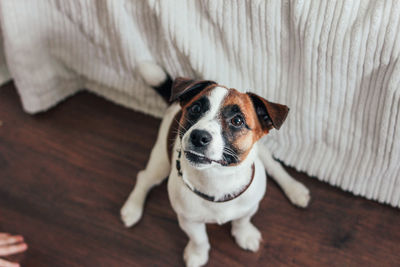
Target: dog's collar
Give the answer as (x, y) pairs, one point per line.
(225, 198)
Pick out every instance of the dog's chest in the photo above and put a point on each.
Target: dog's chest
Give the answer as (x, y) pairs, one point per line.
(189, 205)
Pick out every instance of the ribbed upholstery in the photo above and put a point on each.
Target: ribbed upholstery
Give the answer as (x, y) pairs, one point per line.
(334, 63)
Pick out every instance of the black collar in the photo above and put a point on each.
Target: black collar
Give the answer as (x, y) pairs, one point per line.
(226, 197)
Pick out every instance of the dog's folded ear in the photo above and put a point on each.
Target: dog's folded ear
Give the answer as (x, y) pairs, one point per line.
(271, 115)
(184, 89)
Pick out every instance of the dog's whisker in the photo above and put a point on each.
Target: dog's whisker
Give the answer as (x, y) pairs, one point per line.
(229, 155)
(230, 152)
(180, 125)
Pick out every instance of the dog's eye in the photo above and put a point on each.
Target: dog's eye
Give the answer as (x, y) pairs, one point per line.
(195, 108)
(237, 121)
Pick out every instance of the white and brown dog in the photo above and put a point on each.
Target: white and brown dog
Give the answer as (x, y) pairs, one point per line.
(216, 166)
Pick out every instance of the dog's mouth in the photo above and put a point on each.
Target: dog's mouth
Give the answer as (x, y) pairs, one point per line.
(198, 158)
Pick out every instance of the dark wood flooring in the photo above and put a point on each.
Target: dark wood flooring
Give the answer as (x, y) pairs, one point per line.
(64, 175)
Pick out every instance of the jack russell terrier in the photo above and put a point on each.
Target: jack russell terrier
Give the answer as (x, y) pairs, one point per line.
(215, 163)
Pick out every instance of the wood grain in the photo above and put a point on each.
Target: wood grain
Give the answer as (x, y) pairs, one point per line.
(64, 175)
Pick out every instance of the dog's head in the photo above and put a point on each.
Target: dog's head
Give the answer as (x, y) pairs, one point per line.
(221, 125)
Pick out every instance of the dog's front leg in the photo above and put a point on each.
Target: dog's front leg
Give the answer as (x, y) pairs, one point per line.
(196, 251)
(156, 170)
(245, 233)
(297, 193)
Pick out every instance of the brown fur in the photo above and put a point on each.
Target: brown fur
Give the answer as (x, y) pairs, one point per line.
(245, 140)
(173, 129)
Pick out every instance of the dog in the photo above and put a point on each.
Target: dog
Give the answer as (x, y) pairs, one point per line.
(216, 163)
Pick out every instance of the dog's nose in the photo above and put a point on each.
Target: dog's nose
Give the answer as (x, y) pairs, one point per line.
(200, 138)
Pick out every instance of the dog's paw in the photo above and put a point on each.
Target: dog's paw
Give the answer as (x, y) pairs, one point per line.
(247, 236)
(131, 213)
(298, 194)
(195, 255)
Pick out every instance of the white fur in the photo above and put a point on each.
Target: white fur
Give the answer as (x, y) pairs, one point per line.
(209, 121)
(152, 74)
(193, 211)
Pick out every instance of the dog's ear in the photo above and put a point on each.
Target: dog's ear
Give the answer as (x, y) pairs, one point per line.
(271, 115)
(184, 89)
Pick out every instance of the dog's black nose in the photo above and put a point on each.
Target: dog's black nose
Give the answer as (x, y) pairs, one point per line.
(200, 138)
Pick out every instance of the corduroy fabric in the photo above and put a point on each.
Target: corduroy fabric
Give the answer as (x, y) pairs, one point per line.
(334, 63)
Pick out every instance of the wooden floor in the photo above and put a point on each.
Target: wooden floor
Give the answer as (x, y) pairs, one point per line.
(64, 175)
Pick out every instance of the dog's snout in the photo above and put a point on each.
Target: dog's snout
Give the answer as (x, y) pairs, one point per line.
(200, 138)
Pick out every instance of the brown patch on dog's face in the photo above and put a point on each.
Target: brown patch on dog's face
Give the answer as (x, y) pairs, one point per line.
(240, 126)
